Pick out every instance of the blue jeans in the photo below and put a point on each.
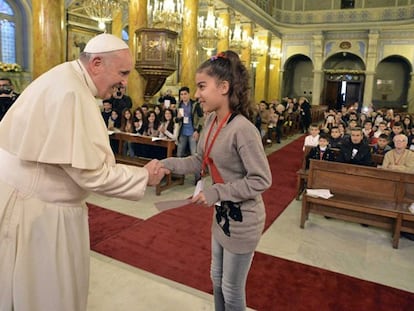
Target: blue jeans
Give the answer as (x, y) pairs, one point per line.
(128, 149)
(229, 274)
(183, 142)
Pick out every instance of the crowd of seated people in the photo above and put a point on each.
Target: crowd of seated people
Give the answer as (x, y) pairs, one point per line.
(357, 135)
(163, 121)
(278, 117)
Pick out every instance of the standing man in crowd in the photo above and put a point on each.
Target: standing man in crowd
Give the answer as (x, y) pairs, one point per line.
(54, 150)
(7, 96)
(190, 118)
(167, 99)
(119, 100)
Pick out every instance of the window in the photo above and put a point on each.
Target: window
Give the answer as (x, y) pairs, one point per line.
(347, 4)
(7, 33)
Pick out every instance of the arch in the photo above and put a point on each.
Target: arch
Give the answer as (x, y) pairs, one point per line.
(397, 56)
(344, 61)
(298, 76)
(392, 82)
(344, 80)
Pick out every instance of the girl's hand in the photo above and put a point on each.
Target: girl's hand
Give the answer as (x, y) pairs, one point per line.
(200, 199)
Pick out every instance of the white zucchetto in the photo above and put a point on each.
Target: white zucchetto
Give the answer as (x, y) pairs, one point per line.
(103, 43)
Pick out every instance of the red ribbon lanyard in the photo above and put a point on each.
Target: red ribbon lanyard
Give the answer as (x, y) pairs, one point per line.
(207, 148)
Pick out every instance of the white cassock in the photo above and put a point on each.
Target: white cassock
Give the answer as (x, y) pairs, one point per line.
(54, 150)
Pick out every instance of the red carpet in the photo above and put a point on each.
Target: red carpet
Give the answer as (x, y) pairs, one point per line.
(176, 245)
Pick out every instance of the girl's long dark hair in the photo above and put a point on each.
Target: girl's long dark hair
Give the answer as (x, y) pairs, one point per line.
(226, 66)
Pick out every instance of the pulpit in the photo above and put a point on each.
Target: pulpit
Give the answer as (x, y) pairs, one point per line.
(156, 57)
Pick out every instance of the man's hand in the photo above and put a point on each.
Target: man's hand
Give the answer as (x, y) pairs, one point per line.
(156, 172)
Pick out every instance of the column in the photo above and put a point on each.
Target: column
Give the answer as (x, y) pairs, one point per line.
(318, 75)
(262, 71)
(223, 44)
(137, 19)
(189, 46)
(371, 64)
(246, 51)
(274, 74)
(117, 24)
(49, 48)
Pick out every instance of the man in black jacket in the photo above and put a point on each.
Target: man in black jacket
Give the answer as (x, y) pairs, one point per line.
(354, 150)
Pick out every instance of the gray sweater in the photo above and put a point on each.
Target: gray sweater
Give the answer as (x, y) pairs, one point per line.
(239, 157)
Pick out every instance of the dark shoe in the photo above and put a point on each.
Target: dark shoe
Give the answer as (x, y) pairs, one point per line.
(364, 225)
(327, 217)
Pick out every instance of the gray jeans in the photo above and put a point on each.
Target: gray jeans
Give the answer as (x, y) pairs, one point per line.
(229, 274)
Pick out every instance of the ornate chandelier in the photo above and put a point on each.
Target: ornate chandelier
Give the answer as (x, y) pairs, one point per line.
(167, 14)
(259, 48)
(275, 53)
(210, 30)
(238, 38)
(102, 10)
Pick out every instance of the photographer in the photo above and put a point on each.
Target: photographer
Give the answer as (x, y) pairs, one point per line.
(119, 100)
(7, 96)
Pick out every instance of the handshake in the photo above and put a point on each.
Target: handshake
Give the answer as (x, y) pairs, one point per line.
(156, 172)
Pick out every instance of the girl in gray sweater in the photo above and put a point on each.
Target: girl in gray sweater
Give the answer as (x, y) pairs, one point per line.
(230, 148)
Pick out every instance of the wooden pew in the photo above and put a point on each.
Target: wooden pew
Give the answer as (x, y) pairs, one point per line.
(169, 145)
(302, 173)
(362, 194)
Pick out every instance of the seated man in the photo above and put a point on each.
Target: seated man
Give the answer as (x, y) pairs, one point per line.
(354, 150)
(400, 158)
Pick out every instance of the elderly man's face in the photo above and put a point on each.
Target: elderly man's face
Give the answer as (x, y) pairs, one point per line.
(400, 142)
(111, 71)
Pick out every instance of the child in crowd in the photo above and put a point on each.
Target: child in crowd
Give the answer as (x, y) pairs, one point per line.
(381, 147)
(107, 110)
(321, 151)
(397, 129)
(335, 140)
(407, 124)
(410, 144)
(313, 138)
(381, 128)
(368, 131)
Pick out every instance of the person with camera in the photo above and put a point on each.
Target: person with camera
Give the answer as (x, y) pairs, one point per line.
(119, 100)
(7, 96)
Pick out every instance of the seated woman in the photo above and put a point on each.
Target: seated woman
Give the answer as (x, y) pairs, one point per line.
(152, 130)
(127, 126)
(140, 122)
(169, 129)
(153, 124)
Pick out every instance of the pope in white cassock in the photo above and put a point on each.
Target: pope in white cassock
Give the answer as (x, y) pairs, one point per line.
(54, 150)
